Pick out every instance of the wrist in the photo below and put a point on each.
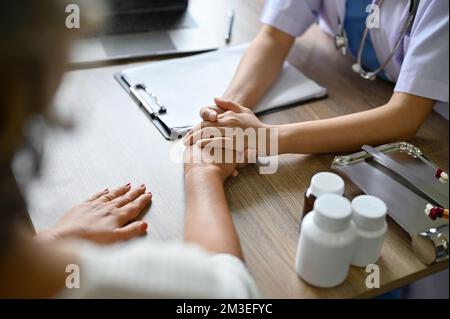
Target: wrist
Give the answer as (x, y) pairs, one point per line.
(238, 98)
(204, 171)
(283, 139)
(276, 137)
(60, 232)
(48, 235)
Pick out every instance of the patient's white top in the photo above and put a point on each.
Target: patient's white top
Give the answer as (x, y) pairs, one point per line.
(144, 269)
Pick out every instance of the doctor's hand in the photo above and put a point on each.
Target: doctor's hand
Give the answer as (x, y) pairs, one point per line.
(223, 131)
(107, 217)
(210, 113)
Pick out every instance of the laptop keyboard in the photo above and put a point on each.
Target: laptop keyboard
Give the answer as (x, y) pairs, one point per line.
(147, 22)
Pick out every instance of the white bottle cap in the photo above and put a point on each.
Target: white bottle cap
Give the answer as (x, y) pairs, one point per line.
(327, 183)
(332, 212)
(369, 212)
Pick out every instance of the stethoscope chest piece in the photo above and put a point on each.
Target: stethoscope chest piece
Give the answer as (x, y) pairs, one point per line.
(342, 42)
(364, 74)
(357, 68)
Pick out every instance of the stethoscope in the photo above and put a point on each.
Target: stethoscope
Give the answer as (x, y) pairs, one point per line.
(341, 42)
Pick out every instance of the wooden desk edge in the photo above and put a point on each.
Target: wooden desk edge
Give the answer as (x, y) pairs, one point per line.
(404, 281)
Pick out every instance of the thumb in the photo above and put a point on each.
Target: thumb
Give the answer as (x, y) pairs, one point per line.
(229, 106)
(130, 231)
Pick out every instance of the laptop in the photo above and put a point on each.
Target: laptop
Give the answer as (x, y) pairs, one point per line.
(144, 28)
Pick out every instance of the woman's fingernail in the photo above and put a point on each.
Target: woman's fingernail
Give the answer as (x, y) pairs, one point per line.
(106, 190)
(143, 226)
(142, 186)
(128, 185)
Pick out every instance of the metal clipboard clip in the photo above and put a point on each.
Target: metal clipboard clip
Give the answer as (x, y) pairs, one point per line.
(149, 104)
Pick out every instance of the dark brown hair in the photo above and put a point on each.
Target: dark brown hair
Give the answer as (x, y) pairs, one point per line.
(32, 33)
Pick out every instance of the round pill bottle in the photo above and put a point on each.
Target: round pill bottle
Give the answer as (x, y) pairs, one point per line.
(321, 184)
(369, 218)
(326, 242)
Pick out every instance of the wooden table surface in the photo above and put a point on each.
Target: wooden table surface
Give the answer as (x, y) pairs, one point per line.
(113, 143)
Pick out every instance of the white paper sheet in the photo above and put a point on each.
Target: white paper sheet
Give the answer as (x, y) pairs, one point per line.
(185, 85)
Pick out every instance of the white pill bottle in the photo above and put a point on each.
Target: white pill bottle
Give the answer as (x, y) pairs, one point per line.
(326, 244)
(369, 218)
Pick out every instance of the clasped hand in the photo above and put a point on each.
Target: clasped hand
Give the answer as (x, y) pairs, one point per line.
(220, 128)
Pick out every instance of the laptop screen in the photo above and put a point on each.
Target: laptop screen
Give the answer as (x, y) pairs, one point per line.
(129, 6)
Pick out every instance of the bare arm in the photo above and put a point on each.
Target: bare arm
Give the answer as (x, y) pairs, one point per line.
(258, 69)
(399, 119)
(208, 220)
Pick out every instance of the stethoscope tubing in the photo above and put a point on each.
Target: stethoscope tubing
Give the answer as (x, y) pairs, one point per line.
(357, 67)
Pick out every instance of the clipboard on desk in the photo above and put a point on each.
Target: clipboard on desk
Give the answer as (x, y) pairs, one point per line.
(150, 105)
(172, 92)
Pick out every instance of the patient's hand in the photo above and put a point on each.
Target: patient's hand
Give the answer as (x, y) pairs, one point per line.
(106, 217)
(213, 159)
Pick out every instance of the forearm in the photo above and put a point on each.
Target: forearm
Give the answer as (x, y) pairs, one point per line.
(208, 221)
(397, 120)
(259, 67)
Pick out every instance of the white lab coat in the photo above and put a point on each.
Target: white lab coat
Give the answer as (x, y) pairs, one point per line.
(420, 66)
